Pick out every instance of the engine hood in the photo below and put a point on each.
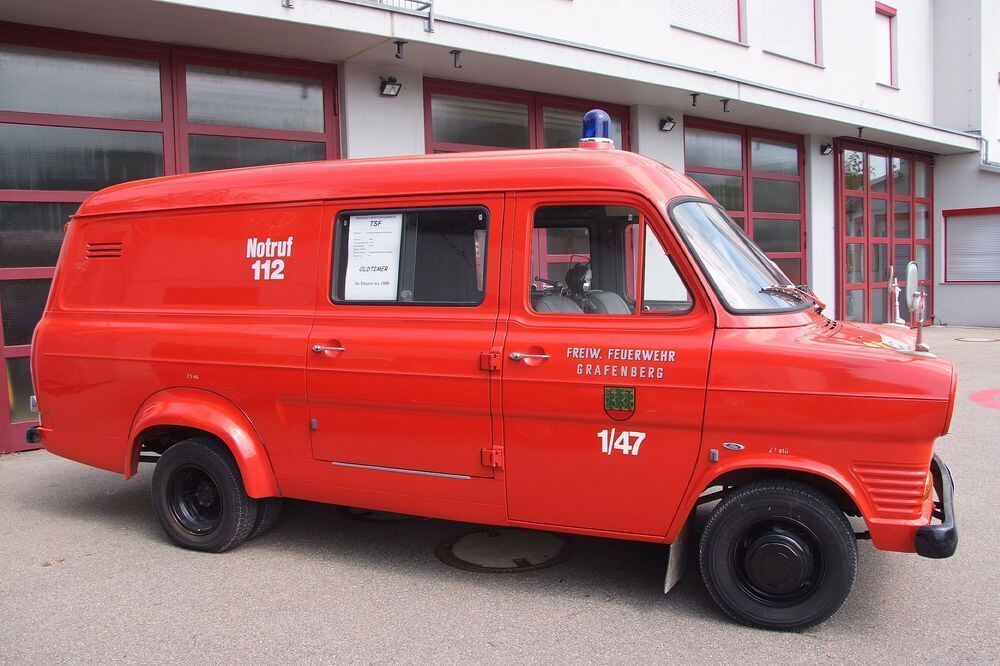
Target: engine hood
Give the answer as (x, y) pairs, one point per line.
(828, 357)
(874, 336)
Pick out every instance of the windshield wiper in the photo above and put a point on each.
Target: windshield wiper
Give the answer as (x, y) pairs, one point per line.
(794, 294)
(784, 290)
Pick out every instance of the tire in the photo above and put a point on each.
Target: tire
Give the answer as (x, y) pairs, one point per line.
(268, 510)
(199, 498)
(778, 554)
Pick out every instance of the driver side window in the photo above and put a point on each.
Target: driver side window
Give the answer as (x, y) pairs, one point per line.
(578, 260)
(585, 261)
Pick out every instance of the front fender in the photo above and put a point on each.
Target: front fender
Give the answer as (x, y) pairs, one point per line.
(204, 410)
(706, 473)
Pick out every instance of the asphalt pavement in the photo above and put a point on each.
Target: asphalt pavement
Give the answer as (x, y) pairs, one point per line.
(86, 575)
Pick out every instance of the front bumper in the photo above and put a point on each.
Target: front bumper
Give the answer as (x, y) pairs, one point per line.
(939, 541)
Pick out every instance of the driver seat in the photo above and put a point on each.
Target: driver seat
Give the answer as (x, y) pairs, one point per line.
(608, 302)
(557, 303)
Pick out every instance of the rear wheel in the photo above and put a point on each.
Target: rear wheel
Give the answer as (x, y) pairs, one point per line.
(199, 498)
(779, 555)
(268, 510)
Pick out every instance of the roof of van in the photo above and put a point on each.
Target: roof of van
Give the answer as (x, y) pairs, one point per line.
(495, 171)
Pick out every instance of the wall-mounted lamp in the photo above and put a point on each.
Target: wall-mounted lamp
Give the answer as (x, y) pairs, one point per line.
(694, 99)
(399, 48)
(457, 55)
(288, 4)
(667, 124)
(860, 131)
(389, 87)
(725, 105)
(826, 149)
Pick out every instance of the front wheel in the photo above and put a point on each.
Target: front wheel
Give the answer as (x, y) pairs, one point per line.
(199, 498)
(778, 554)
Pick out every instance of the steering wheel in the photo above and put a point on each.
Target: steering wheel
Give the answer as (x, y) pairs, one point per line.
(550, 286)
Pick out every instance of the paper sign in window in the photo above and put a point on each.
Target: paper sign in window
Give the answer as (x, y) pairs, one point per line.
(373, 257)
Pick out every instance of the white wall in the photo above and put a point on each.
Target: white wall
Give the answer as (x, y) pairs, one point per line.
(647, 139)
(966, 63)
(847, 73)
(989, 69)
(957, 63)
(376, 126)
(960, 182)
(821, 222)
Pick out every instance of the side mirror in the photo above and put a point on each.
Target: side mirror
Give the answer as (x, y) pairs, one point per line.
(912, 286)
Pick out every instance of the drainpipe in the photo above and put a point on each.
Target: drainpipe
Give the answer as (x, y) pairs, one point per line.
(984, 153)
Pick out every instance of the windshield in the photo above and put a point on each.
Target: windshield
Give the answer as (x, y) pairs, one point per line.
(744, 278)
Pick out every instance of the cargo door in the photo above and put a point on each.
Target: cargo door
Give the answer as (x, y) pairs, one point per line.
(399, 357)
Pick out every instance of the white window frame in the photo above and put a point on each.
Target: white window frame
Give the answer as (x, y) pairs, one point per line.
(741, 25)
(817, 28)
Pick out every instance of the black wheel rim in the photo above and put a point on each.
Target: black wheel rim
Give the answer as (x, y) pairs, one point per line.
(777, 562)
(195, 500)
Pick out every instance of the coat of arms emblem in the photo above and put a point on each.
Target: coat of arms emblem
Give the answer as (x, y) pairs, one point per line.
(619, 402)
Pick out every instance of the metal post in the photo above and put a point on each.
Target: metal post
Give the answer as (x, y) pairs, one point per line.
(895, 319)
(921, 346)
(430, 17)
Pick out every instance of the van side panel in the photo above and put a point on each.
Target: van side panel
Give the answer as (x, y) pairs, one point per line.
(216, 300)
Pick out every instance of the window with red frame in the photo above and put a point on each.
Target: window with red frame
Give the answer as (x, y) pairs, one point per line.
(885, 205)
(886, 64)
(236, 111)
(757, 176)
(81, 112)
(462, 117)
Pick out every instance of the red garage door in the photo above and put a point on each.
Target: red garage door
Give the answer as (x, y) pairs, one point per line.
(81, 112)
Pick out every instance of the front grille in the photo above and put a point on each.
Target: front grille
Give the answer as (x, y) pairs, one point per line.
(896, 491)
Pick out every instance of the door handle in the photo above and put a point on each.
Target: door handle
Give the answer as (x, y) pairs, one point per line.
(319, 349)
(520, 356)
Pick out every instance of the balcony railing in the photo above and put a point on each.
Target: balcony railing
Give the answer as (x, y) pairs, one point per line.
(422, 8)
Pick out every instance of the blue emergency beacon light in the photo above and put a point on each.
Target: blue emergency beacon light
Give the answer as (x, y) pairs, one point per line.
(597, 131)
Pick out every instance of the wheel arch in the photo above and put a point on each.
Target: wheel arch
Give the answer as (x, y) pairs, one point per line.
(173, 414)
(841, 490)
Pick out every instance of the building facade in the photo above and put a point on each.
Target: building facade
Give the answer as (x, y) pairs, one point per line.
(846, 136)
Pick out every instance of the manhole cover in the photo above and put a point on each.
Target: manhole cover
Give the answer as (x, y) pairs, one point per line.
(372, 516)
(977, 339)
(503, 550)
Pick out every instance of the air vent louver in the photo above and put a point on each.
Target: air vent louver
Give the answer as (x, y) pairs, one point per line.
(104, 250)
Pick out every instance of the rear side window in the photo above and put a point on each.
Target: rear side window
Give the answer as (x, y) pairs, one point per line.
(422, 256)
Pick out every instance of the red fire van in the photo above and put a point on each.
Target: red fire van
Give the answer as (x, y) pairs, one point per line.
(571, 340)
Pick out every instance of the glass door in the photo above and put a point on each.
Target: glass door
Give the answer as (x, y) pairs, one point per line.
(884, 220)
